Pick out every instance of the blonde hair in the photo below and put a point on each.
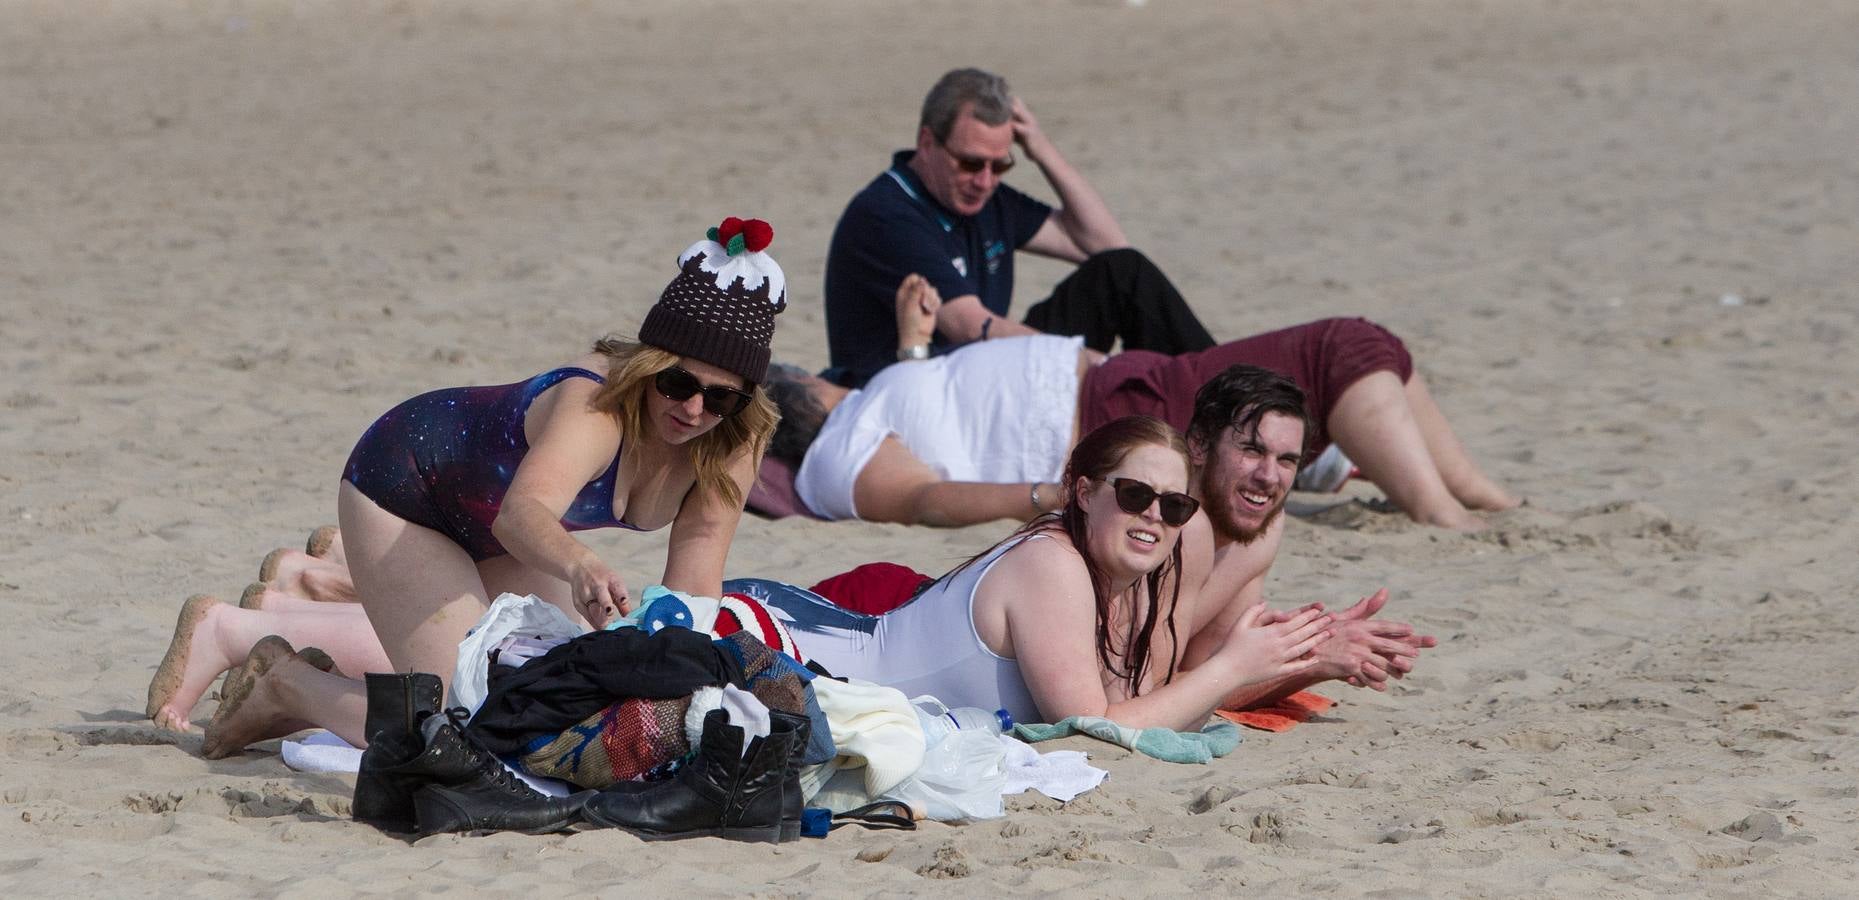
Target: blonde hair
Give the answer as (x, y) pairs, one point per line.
(630, 368)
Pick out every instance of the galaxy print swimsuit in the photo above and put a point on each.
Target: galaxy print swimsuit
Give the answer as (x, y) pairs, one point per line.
(444, 460)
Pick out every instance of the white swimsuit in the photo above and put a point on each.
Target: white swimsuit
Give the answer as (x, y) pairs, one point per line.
(927, 646)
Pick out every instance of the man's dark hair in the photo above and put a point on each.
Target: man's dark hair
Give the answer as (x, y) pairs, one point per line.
(1238, 398)
(993, 103)
(802, 414)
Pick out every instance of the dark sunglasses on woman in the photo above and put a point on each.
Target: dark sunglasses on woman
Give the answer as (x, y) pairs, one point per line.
(677, 385)
(1134, 496)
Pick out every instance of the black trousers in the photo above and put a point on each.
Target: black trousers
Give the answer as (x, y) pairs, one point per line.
(1121, 294)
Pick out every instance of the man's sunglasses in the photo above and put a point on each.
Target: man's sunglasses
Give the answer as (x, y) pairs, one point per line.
(1134, 497)
(677, 385)
(974, 164)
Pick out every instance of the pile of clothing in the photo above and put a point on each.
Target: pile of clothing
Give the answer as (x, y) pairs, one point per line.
(694, 716)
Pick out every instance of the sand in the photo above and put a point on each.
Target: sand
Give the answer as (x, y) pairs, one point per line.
(1621, 239)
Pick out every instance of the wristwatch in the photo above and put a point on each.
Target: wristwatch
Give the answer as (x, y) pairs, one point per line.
(914, 351)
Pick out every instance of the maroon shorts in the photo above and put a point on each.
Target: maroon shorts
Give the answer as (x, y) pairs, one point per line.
(1324, 357)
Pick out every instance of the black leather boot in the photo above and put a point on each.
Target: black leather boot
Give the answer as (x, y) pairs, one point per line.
(491, 799)
(801, 728)
(397, 705)
(722, 792)
(452, 784)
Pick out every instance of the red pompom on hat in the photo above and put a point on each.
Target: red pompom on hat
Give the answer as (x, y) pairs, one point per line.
(757, 234)
(721, 308)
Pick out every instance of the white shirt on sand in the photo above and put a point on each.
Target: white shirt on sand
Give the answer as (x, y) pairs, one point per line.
(994, 411)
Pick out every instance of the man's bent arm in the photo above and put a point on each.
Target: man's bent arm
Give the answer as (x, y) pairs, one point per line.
(1083, 226)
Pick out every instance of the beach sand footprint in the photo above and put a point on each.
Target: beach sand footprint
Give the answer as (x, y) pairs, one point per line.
(1276, 826)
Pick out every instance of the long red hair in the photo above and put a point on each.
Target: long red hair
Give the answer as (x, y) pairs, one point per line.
(1095, 457)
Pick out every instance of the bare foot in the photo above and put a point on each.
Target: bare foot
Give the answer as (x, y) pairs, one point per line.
(308, 577)
(1462, 520)
(254, 596)
(1457, 518)
(249, 707)
(324, 582)
(268, 569)
(325, 543)
(1496, 499)
(177, 685)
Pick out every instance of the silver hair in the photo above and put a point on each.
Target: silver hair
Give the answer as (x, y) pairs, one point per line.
(993, 102)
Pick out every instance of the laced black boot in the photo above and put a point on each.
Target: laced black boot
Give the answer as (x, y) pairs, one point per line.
(800, 728)
(397, 705)
(722, 792)
(474, 792)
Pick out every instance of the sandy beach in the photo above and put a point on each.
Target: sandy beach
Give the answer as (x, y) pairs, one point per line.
(1622, 240)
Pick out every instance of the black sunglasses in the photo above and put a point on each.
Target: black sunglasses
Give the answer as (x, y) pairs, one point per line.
(1134, 496)
(974, 164)
(677, 385)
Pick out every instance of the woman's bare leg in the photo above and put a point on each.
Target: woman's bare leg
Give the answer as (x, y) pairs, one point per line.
(211, 637)
(278, 691)
(1372, 422)
(421, 590)
(1462, 476)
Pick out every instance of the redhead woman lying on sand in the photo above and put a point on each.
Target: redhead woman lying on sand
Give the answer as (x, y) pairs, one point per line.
(1092, 587)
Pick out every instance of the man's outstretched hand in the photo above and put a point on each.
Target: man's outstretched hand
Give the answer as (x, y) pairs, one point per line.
(1365, 651)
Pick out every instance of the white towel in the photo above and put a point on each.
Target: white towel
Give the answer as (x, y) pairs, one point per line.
(1060, 774)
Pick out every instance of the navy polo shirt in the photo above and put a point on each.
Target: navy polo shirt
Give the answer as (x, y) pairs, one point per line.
(894, 228)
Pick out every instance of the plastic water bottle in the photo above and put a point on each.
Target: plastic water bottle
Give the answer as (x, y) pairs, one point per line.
(939, 721)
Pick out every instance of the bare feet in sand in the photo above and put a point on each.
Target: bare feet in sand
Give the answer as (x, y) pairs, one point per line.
(184, 674)
(1484, 495)
(326, 543)
(268, 567)
(249, 707)
(307, 576)
(254, 596)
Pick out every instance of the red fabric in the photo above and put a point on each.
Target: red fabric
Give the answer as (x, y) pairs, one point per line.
(741, 612)
(1324, 357)
(1283, 716)
(873, 588)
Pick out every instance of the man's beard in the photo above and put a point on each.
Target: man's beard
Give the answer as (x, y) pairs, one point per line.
(1220, 514)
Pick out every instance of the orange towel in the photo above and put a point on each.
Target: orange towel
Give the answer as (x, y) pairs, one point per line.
(1280, 716)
